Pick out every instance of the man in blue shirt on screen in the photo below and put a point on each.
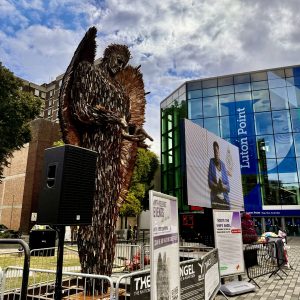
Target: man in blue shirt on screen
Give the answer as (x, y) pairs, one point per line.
(218, 181)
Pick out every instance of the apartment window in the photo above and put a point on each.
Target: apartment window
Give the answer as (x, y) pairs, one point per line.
(36, 92)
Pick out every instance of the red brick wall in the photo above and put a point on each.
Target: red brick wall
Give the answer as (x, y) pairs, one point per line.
(20, 188)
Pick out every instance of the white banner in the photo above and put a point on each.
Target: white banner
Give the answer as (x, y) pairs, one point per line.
(228, 240)
(164, 240)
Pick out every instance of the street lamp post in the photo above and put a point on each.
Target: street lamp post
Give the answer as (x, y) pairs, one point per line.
(11, 211)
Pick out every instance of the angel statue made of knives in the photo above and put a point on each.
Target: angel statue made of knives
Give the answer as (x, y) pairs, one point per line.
(102, 108)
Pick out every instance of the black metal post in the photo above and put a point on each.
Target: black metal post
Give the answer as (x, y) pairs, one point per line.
(60, 258)
(26, 264)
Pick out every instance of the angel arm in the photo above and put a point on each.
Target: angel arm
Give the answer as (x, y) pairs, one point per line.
(86, 88)
(139, 135)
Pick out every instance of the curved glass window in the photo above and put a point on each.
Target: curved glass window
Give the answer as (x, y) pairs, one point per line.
(228, 89)
(275, 83)
(289, 193)
(269, 170)
(243, 87)
(228, 80)
(294, 96)
(259, 85)
(276, 74)
(281, 121)
(298, 166)
(279, 98)
(243, 96)
(297, 143)
(195, 109)
(210, 106)
(287, 170)
(227, 105)
(261, 100)
(292, 81)
(284, 145)
(194, 85)
(265, 146)
(263, 123)
(241, 78)
(209, 83)
(212, 125)
(228, 126)
(194, 94)
(295, 116)
(259, 76)
(210, 92)
(198, 122)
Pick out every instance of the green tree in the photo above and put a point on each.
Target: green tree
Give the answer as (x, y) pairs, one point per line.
(17, 109)
(137, 199)
(58, 143)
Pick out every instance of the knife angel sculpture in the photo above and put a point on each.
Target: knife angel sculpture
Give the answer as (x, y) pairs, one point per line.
(102, 107)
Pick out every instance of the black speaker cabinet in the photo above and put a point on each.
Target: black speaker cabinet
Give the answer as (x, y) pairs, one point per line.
(41, 239)
(68, 186)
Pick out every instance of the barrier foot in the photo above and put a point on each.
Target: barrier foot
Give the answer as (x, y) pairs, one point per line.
(223, 294)
(254, 282)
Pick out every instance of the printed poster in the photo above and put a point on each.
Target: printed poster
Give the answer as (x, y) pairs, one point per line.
(164, 240)
(228, 240)
(199, 280)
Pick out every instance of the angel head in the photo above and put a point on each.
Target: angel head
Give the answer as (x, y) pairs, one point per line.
(116, 58)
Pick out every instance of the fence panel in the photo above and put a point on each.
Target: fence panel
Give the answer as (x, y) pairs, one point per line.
(46, 258)
(263, 259)
(136, 285)
(127, 257)
(42, 285)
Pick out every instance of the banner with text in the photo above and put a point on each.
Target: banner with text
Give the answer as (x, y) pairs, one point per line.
(199, 280)
(164, 241)
(228, 240)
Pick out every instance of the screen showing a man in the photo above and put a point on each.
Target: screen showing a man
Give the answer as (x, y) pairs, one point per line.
(218, 181)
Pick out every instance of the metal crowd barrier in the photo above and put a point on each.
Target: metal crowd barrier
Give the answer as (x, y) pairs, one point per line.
(46, 258)
(23, 282)
(42, 285)
(136, 285)
(264, 259)
(127, 257)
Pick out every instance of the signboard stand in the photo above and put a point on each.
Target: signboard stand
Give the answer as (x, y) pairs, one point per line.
(228, 240)
(164, 241)
(236, 287)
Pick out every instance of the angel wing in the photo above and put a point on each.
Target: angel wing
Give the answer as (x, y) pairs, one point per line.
(131, 79)
(85, 51)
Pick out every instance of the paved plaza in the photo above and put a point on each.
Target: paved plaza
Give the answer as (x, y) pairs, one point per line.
(275, 288)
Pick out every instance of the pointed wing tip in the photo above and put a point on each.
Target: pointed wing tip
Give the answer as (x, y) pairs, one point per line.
(93, 29)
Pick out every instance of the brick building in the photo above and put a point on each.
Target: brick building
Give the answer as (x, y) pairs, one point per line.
(20, 188)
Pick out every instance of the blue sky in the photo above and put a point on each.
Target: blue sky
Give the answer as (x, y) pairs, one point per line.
(174, 41)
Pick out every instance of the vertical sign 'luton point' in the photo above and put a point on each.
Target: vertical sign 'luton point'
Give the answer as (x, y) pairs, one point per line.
(164, 240)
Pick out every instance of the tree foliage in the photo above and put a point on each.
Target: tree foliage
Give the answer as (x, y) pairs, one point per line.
(58, 143)
(145, 166)
(17, 108)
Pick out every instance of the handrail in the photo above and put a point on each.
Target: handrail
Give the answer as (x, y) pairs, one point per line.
(26, 263)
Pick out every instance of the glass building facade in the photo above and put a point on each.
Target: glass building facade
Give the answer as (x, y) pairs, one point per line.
(257, 111)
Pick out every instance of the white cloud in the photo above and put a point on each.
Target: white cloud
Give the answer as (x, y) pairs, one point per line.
(173, 41)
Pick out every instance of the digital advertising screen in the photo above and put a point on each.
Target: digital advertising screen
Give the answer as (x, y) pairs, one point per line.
(213, 172)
